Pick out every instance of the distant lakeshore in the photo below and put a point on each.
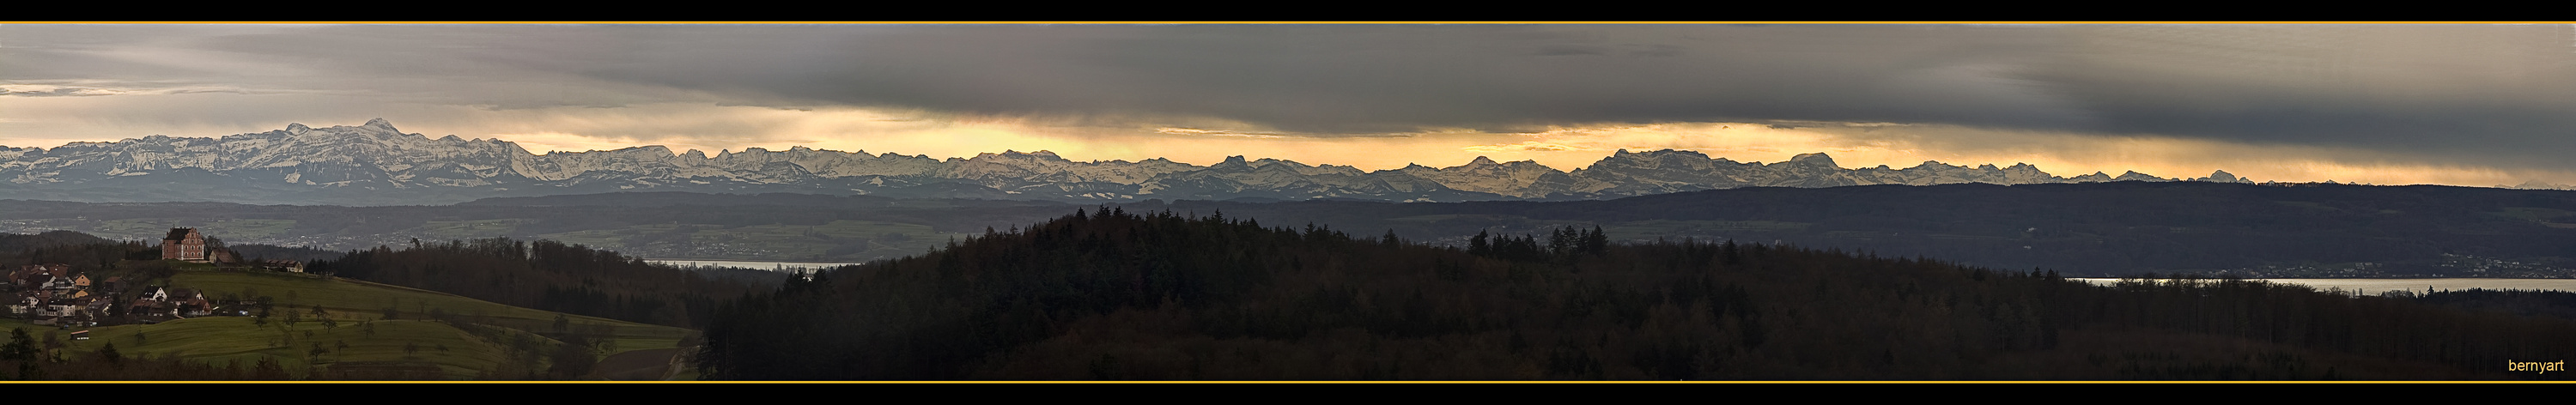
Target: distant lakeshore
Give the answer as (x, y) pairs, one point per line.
(2370, 286)
(781, 266)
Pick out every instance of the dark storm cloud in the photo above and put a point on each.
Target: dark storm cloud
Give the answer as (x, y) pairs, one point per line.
(1364, 78)
(2503, 93)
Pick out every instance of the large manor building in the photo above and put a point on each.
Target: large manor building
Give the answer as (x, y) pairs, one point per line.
(184, 244)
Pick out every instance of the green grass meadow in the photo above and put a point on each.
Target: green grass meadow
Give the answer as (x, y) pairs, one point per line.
(363, 333)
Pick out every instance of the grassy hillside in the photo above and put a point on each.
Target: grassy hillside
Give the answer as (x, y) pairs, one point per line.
(373, 328)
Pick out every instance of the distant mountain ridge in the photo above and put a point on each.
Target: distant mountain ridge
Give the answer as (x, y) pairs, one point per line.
(376, 164)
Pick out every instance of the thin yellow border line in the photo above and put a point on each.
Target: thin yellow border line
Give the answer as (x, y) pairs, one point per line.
(1282, 382)
(459, 22)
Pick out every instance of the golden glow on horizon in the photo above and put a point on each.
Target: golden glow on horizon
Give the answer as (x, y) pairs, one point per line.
(1203, 141)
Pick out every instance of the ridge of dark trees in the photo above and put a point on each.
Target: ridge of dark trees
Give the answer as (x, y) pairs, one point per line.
(547, 275)
(11, 242)
(1113, 294)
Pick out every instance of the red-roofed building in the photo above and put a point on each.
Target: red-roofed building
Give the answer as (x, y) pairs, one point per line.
(184, 244)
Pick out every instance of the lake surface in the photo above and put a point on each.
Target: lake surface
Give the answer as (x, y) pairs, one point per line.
(2377, 285)
(780, 266)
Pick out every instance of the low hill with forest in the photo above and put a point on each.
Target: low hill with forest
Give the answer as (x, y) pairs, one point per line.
(486, 309)
(1118, 295)
(310, 327)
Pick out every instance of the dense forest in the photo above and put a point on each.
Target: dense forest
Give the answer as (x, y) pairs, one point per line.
(550, 276)
(1112, 294)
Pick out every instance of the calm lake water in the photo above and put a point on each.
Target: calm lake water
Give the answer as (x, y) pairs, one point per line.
(2377, 285)
(780, 266)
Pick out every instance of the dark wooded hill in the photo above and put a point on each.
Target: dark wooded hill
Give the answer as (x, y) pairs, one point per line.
(550, 276)
(1163, 296)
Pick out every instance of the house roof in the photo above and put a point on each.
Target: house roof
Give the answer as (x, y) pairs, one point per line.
(179, 233)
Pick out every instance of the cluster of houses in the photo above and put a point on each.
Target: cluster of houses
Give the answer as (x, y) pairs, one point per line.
(51, 294)
(55, 294)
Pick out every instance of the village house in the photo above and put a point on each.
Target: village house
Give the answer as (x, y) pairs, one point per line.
(289, 266)
(69, 311)
(146, 306)
(172, 302)
(26, 304)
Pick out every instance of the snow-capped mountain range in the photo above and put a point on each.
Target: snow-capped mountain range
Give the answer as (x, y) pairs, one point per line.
(375, 164)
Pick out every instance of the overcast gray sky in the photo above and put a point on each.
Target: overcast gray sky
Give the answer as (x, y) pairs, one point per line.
(2392, 104)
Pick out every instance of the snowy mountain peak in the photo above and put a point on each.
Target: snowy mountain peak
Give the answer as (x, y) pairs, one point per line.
(297, 128)
(2223, 176)
(2133, 175)
(1232, 161)
(1481, 161)
(1660, 154)
(380, 123)
(1818, 159)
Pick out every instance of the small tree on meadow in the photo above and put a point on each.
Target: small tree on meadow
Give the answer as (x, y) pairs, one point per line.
(109, 354)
